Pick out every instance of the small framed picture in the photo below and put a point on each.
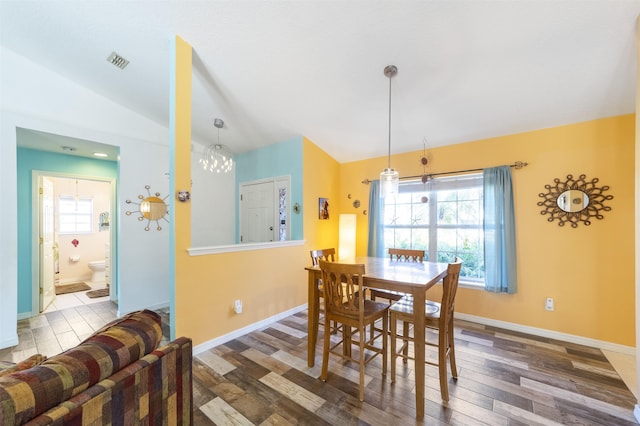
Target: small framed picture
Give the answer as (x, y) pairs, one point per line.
(323, 208)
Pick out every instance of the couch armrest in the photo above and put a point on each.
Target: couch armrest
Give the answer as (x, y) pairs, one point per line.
(157, 389)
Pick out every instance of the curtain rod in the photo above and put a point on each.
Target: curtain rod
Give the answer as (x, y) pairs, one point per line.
(517, 165)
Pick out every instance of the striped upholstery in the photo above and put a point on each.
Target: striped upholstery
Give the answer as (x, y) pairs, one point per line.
(117, 367)
(9, 367)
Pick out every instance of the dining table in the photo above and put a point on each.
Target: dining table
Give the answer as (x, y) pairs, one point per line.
(383, 273)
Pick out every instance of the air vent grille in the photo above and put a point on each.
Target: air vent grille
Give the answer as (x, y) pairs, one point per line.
(117, 60)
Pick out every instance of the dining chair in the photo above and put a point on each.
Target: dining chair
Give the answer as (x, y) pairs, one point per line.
(345, 303)
(438, 316)
(329, 255)
(397, 255)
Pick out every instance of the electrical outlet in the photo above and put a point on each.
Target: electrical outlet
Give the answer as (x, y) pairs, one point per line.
(548, 304)
(237, 306)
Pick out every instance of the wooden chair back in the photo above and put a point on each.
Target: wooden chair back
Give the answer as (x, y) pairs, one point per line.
(343, 288)
(449, 290)
(328, 254)
(406, 255)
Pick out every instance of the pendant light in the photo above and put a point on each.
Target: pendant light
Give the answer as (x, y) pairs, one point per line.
(389, 178)
(216, 158)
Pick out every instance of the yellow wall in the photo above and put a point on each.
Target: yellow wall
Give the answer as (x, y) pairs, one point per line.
(589, 271)
(321, 180)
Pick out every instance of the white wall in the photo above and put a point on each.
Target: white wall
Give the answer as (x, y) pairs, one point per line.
(33, 97)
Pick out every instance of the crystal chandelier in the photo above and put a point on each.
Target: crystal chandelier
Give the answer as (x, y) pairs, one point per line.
(216, 158)
(389, 178)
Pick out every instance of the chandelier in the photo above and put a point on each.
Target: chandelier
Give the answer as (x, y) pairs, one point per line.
(216, 158)
(389, 178)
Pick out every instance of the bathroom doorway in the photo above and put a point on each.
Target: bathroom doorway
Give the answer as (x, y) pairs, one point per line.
(74, 233)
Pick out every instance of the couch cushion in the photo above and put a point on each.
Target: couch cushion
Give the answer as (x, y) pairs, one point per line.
(10, 367)
(25, 394)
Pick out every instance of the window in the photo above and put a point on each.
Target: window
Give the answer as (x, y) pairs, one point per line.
(449, 224)
(75, 216)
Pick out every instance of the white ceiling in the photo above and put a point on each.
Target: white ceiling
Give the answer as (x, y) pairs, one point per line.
(274, 70)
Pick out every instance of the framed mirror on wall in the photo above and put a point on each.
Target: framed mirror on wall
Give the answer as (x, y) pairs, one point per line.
(574, 200)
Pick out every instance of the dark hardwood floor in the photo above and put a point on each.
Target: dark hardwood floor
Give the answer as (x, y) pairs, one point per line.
(505, 378)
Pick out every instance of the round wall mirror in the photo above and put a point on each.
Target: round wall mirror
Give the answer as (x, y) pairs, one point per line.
(573, 200)
(151, 208)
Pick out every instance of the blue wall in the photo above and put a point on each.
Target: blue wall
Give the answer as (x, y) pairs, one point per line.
(281, 159)
(29, 160)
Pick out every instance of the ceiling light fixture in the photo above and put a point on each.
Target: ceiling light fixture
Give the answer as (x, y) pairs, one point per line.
(216, 158)
(389, 178)
(99, 154)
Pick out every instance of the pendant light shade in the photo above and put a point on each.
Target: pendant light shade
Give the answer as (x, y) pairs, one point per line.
(389, 182)
(389, 178)
(216, 158)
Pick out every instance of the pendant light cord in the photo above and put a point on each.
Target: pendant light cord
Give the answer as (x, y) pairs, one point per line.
(389, 151)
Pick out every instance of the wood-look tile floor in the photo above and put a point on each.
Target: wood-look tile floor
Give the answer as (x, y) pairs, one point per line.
(505, 378)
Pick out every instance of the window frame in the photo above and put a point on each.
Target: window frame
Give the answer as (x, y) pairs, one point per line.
(86, 213)
(433, 187)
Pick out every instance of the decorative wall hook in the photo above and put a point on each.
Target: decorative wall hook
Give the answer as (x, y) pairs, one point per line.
(183, 195)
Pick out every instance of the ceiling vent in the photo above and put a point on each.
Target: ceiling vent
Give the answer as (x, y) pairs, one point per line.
(117, 60)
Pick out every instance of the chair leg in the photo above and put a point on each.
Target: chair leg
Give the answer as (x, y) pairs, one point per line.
(385, 335)
(405, 346)
(325, 351)
(442, 365)
(452, 352)
(394, 356)
(362, 338)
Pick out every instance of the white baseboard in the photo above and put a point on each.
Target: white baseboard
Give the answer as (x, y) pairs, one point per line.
(600, 344)
(245, 330)
(25, 315)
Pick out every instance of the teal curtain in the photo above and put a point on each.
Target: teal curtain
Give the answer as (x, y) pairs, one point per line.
(375, 246)
(499, 231)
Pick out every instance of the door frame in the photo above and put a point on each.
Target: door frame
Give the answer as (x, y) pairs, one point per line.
(35, 233)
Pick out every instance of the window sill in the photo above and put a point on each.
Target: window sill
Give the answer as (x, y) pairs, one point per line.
(473, 285)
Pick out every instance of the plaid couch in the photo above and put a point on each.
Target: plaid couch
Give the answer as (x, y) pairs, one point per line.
(117, 376)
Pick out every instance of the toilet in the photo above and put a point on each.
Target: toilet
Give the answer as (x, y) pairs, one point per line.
(97, 268)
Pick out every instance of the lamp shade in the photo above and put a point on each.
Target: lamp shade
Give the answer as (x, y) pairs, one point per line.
(389, 182)
(347, 237)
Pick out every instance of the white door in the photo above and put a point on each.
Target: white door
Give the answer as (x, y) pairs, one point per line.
(47, 237)
(256, 213)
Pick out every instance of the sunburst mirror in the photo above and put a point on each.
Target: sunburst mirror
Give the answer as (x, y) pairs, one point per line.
(151, 208)
(574, 200)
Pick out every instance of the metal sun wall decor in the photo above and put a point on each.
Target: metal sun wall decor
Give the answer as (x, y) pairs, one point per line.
(574, 201)
(151, 208)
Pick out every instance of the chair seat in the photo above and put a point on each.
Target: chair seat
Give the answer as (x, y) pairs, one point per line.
(372, 311)
(404, 306)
